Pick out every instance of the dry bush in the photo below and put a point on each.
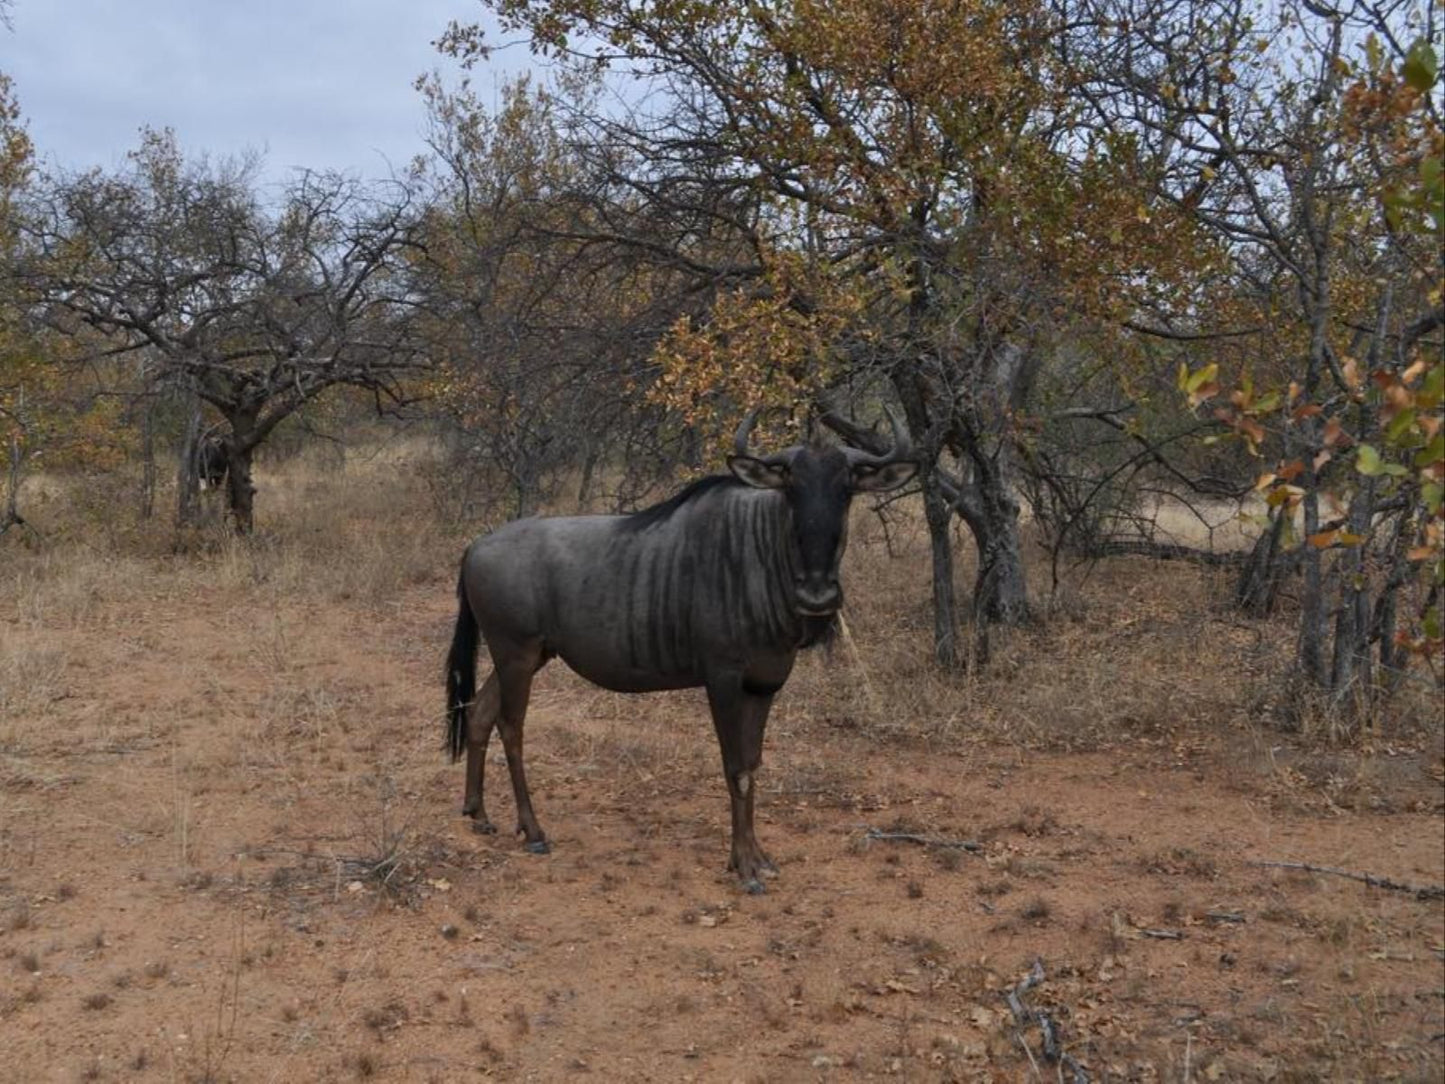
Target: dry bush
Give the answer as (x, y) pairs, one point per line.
(1127, 648)
(32, 677)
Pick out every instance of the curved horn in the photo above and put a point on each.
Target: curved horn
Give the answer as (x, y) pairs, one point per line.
(745, 430)
(902, 443)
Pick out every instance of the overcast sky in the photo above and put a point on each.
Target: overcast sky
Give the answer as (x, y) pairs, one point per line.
(317, 83)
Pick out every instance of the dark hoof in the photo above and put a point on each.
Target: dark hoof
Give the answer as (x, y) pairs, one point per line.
(485, 828)
(538, 846)
(754, 887)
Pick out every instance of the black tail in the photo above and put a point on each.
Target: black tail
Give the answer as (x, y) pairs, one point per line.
(461, 673)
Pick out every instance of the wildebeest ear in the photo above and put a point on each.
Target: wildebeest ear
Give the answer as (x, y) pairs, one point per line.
(757, 472)
(870, 478)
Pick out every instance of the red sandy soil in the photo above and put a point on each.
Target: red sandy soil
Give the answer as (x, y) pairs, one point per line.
(230, 849)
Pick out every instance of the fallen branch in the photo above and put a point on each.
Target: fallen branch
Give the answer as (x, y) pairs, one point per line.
(972, 846)
(1024, 1016)
(1421, 892)
(1160, 551)
(1163, 935)
(1225, 916)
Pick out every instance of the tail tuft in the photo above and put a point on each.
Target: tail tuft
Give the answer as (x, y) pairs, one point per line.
(461, 672)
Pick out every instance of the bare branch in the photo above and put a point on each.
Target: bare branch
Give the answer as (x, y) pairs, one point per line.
(1422, 892)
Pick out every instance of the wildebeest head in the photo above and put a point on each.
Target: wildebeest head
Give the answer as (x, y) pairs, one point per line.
(819, 481)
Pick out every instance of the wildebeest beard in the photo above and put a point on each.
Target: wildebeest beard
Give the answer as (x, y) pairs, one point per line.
(819, 632)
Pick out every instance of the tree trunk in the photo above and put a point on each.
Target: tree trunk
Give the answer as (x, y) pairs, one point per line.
(1000, 592)
(12, 516)
(945, 616)
(188, 476)
(936, 511)
(148, 458)
(1383, 621)
(1259, 581)
(1350, 670)
(1313, 618)
(240, 491)
(986, 504)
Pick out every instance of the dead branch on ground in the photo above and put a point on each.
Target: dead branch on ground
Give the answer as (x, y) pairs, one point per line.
(1422, 892)
(1225, 916)
(1048, 1030)
(970, 845)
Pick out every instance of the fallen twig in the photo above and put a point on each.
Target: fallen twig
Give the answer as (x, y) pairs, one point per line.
(972, 846)
(1024, 1016)
(1421, 892)
(1225, 916)
(1163, 935)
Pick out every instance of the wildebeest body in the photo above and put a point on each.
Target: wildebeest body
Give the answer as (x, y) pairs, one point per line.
(720, 587)
(650, 607)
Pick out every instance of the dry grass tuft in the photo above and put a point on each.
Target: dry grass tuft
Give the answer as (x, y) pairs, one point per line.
(1037, 909)
(18, 917)
(386, 1017)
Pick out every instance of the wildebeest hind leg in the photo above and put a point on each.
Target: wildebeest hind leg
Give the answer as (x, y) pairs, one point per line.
(515, 677)
(481, 719)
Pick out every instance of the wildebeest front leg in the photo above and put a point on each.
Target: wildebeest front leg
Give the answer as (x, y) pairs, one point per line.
(515, 680)
(740, 719)
(481, 718)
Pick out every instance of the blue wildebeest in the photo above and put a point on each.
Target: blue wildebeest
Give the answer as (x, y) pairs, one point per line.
(211, 463)
(720, 586)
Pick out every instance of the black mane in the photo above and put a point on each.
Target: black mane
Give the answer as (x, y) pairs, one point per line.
(663, 510)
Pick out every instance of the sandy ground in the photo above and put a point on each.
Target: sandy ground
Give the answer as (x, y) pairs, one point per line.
(230, 849)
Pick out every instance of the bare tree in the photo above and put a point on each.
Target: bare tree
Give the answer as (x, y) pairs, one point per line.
(542, 315)
(254, 309)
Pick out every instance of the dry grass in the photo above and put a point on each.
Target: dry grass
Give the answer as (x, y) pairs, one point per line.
(1124, 647)
(1141, 653)
(1123, 650)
